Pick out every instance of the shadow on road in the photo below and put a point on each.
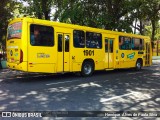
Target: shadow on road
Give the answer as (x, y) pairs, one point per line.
(104, 91)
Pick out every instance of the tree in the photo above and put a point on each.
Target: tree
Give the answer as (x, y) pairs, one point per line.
(6, 12)
(153, 13)
(38, 8)
(148, 12)
(157, 31)
(107, 14)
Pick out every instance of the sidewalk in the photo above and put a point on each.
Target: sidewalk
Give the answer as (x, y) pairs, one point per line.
(156, 59)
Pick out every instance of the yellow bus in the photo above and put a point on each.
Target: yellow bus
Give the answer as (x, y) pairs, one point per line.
(42, 46)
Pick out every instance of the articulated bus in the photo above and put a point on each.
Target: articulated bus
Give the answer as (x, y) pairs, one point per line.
(42, 46)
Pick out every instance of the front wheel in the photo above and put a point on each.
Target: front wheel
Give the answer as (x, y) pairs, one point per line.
(87, 68)
(138, 65)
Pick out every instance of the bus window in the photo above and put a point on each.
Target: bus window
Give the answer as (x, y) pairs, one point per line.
(67, 43)
(124, 43)
(137, 44)
(79, 38)
(93, 40)
(141, 47)
(60, 43)
(14, 31)
(41, 35)
(111, 45)
(106, 45)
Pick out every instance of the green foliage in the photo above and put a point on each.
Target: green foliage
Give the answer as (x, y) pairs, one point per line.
(107, 14)
(157, 31)
(38, 8)
(147, 13)
(120, 15)
(6, 12)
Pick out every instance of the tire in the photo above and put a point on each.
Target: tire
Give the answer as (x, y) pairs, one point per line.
(87, 68)
(138, 65)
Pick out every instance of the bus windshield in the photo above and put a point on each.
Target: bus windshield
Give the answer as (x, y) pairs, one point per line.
(14, 31)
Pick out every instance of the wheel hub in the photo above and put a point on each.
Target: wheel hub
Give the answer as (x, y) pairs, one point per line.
(87, 69)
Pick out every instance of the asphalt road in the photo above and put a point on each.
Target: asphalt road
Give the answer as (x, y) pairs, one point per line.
(118, 90)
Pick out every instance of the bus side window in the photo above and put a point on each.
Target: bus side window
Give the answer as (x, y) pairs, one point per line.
(127, 43)
(121, 43)
(137, 44)
(67, 39)
(106, 45)
(41, 35)
(79, 38)
(124, 43)
(35, 35)
(132, 43)
(59, 42)
(93, 40)
(32, 40)
(141, 47)
(111, 45)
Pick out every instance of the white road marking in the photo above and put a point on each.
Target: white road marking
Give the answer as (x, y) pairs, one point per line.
(116, 97)
(62, 82)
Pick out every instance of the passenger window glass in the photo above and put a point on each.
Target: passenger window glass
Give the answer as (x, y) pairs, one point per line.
(111, 45)
(124, 43)
(137, 44)
(93, 40)
(106, 45)
(59, 43)
(67, 43)
(41, 35)
(79, 39)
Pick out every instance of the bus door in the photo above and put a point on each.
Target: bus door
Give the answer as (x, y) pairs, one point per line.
(63, 52)
(109, 52)
(147, 61)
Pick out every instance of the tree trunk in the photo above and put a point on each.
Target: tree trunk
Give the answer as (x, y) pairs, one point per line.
(39, 15)
(141, 27)
(46, 15)
(153, 29)
(135, 26)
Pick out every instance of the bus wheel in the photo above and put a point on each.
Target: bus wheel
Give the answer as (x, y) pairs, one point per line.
(138, 65)
(87, 68)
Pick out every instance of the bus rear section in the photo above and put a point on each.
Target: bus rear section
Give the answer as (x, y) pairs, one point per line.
(27, 53)
(15, 58)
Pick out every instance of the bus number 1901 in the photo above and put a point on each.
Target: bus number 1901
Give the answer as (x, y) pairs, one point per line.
(88, 52)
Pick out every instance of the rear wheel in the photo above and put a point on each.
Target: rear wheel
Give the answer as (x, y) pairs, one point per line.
(138, 65)
(87, 68)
